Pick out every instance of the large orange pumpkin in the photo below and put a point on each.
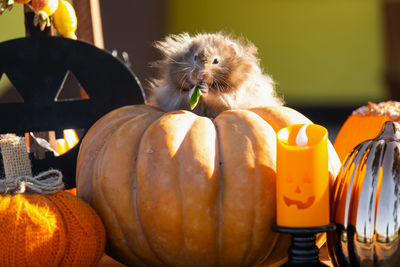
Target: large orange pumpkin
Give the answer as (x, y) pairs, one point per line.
(176, 189)
(363, 124)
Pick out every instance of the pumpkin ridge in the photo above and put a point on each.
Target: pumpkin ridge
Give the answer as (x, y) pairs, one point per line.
(258, 172)
(353, 190)
(134, 198)
(90, 147)
(125, 118)
(103, 196)
(176, 158)
(229, 118)
(22, 238)
(254, 214)
(338, 190)
(220, 121)
(197, 171)
(276, 238)
(61, 238)
(352, 176)
(24, 234)
(349, 182)
(105, 206)
(220, 192)
(128, 112)
(171, 148)
(182, 194)
(61, 202)
(64, 210)
(251, 236)
(13, 240)
(110, 121)
(385, 154)
(360, 179)
(381, 202)
(372, 164)
(252, 129)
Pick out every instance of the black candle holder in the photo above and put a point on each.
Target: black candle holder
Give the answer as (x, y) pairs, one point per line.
(303, 251)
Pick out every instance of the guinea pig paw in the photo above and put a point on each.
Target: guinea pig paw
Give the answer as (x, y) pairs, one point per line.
(204, 88)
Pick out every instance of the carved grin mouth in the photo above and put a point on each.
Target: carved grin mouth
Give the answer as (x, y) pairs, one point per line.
(300, 205)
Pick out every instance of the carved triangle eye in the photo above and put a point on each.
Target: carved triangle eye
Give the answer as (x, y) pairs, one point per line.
(8, 92)
(70, 89)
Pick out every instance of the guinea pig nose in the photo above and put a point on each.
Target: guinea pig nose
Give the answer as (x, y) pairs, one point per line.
(201, 76)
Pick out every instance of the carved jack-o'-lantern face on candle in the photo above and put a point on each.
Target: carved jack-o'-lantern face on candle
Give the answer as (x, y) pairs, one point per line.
(302, 176)
(299, 192)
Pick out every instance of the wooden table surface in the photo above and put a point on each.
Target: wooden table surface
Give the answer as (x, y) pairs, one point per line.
(107, 261)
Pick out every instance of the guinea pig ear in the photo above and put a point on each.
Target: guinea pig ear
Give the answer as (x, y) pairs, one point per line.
(233, 49)
(193, 47)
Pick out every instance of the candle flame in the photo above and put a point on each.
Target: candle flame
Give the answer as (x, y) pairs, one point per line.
(301, 138)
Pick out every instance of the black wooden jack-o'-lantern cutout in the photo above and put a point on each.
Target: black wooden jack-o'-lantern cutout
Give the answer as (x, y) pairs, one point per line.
(38, 67)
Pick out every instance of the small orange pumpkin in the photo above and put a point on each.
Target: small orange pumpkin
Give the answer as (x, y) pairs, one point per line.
(363, 124)
(177, 189)
(54, 229)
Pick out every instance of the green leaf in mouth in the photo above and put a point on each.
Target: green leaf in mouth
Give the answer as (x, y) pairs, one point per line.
(194, 99)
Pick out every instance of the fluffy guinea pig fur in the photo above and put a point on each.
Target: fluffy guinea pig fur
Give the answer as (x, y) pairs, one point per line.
(227, 68)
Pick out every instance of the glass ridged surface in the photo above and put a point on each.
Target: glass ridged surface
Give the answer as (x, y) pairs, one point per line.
(366, 203)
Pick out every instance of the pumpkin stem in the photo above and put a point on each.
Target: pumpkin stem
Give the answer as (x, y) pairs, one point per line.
(15, 157)
(390, 130)
(18, 171)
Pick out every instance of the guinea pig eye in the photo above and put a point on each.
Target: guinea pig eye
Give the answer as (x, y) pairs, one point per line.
(195, 57)
(215, 61)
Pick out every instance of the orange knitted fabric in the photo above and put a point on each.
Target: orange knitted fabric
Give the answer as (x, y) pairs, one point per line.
(49, 230)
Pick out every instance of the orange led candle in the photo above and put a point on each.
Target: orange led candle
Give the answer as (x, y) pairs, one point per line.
(302, 176)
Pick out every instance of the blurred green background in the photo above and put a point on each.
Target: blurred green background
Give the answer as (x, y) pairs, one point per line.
(11, 26)
(320, 53)
(12, 23)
